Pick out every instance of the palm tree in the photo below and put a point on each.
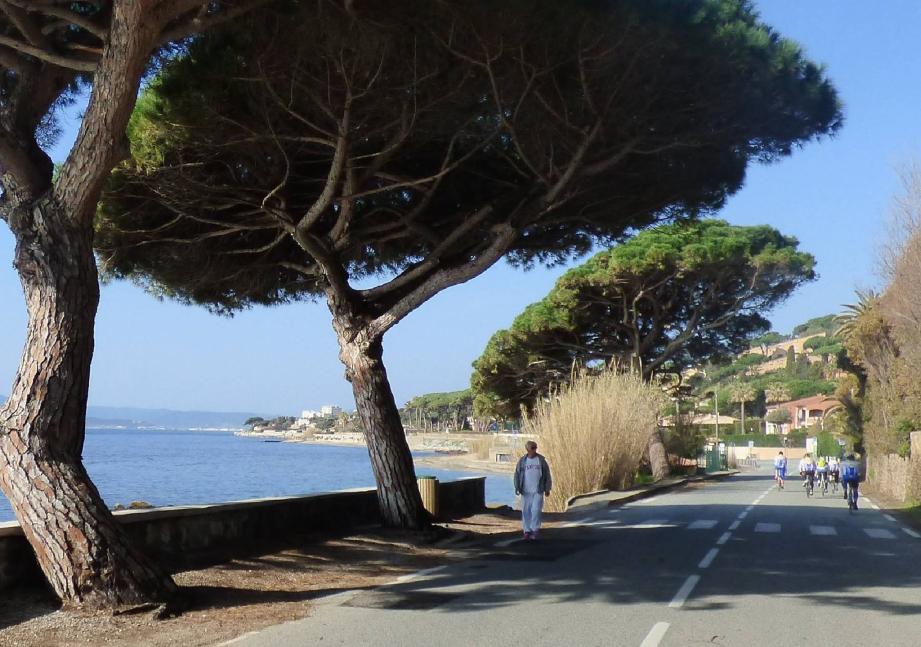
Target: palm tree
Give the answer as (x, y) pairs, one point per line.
(742, 392)
(774, 393)
(847, 320)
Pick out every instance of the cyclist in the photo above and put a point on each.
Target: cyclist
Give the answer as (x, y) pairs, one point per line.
(780, 469)
(821, 474)
(807, 471)
(850, 476)
(834, 472)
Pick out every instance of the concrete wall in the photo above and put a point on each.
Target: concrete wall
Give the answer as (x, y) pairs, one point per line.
(768, 453)
(897, 477)
(184, 537)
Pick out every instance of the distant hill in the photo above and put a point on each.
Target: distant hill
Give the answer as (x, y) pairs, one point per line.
(135, 417)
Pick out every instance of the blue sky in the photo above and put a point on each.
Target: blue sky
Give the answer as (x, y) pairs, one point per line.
(834, 196)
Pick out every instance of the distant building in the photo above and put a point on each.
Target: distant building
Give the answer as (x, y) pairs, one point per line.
(804, 413)
(330, 410)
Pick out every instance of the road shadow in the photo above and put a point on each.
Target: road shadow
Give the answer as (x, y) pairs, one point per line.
(624, 563)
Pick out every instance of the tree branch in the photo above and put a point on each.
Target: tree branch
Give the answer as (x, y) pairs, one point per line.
(504, 234)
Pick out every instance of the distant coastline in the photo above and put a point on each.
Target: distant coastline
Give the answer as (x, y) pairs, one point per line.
(450, 451)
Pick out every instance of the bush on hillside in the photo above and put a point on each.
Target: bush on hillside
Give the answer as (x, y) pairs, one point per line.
(594, 432)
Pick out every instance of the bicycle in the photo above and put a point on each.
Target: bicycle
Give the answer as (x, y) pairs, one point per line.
(809, 483)
(823, 483)
(834, 486)
(852, 495)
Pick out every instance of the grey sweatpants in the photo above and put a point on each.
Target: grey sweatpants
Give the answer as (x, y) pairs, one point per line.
(532, 504)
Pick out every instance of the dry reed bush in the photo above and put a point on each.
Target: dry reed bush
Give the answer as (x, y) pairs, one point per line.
(479, 447)
(594, 432)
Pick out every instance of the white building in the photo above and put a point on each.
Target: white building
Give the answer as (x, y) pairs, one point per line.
(329, 410)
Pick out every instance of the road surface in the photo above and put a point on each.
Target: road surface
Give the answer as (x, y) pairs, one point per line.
(735, 562)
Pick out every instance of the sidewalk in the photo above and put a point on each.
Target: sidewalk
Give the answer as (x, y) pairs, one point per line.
(619, 497)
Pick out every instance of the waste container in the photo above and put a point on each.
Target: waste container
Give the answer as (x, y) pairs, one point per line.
(428, 488)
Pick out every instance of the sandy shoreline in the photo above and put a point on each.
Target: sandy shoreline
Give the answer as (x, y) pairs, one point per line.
(452, 453)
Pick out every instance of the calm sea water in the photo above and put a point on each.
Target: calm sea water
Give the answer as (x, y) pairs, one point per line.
(185, 467)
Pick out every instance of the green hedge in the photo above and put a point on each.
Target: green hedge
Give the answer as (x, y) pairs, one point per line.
(794, 439)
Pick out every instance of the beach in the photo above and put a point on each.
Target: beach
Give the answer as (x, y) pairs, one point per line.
(492, 453)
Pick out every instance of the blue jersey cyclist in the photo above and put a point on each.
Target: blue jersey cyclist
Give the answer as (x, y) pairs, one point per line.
(780, 469)
(850, 476)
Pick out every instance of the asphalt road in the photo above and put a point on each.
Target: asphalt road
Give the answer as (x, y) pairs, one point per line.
(735, 562)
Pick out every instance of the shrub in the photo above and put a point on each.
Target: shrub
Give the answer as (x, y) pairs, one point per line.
(827, 444)
(594, 432)
(779, 417)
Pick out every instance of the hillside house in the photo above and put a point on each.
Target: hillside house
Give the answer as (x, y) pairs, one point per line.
(804, 413)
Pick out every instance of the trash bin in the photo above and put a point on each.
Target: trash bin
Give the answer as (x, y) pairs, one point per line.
(428, 488)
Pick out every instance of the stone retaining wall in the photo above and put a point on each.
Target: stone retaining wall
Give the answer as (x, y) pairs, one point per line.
(896, 477)
(185, 537)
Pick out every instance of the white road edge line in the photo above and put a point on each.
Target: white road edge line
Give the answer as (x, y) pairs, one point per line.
(682, 595)
(571, 524)
(708, 558)
(723, 538)
(655, 635)
(426, 571)
(911, 533)
(508, 542)
(247, 635)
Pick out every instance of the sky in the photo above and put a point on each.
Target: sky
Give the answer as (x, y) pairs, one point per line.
(834, 196)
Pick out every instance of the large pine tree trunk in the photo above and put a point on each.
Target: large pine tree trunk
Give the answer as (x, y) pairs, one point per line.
(81, 548)
(391, 460)
(658, 456)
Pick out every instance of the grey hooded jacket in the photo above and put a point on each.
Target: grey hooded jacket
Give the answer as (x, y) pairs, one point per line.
(546, 481)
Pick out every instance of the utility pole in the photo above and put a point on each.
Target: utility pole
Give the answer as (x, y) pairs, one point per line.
(716, 412)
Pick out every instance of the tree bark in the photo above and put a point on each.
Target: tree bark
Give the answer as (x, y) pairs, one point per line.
(658, 456)
(82, 549)
(391, 460)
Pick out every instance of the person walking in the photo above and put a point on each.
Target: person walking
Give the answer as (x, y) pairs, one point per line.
(532, 482)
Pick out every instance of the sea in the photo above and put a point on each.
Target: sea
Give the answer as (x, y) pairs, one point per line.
(171, 467)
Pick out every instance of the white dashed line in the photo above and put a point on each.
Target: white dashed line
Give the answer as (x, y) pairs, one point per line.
(708, 558)
(655, 635)
(735, 524)
(723, 538)
(879, 533)
(742, 515)
(652, 523)
(911, 533)
(682, 595)
(767, 527)
(703, 524)
(573, 524)
(823, 531)
(890, 518)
